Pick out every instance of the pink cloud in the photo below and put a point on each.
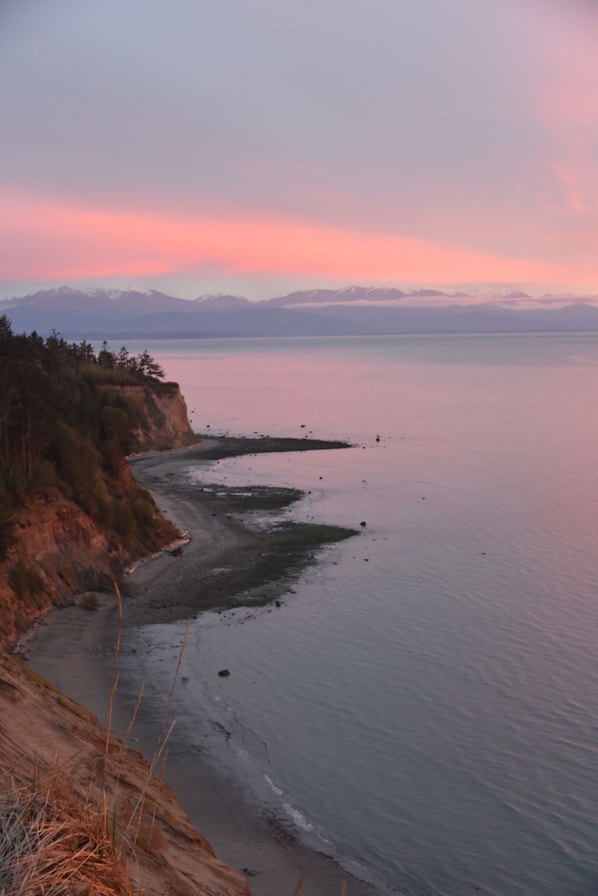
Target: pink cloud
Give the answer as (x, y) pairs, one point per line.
(43, 239)
(563, 104)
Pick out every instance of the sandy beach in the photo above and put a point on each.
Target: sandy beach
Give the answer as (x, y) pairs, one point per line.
(74, 648)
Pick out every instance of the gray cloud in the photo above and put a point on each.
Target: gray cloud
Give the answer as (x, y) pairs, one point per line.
(362, 113)
(228, 100)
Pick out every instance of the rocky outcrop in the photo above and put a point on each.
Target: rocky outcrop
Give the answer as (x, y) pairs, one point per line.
(164, 420)
(124, 829)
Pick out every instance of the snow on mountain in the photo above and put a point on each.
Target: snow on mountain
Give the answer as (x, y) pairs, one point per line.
(313, 297)
(353, 310)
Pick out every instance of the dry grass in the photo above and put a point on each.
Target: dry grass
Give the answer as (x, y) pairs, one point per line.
(53, 843)
(58, 841)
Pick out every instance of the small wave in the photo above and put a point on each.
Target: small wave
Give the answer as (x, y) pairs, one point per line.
(271, 784)
(298, 817)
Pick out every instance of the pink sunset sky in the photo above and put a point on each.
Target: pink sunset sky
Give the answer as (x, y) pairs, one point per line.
(261, 146)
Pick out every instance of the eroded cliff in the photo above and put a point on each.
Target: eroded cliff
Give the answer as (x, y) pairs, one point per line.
(66, 542)
(165, 421)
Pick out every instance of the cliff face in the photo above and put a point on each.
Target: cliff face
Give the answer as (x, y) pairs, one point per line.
(99, 800)
(60, 550)
(165, 421)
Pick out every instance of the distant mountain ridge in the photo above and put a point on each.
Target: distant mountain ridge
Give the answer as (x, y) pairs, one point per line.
(346, 295)
(353, 310)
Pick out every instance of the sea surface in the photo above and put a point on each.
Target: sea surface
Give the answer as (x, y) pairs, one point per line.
(424, 704)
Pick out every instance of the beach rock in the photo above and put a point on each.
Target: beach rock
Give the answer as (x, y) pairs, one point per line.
(224, 673)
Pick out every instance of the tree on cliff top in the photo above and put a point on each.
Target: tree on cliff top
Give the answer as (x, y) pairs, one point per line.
(65, 427)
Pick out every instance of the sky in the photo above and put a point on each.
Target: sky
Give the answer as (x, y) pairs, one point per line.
(256, 147)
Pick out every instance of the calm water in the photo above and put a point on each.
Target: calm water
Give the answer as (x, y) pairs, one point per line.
(425, 705)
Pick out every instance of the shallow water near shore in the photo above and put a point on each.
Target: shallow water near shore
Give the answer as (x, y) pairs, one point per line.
(425, 704)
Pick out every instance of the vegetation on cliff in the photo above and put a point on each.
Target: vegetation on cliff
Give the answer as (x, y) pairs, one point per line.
(68, 419)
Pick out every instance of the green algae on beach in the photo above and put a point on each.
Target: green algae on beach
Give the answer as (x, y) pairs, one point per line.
(246, 560)
(257, 567)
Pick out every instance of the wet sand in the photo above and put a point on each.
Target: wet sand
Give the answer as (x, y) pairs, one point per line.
(74, 649)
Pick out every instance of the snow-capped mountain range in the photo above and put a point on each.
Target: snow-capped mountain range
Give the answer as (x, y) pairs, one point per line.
(353, 310)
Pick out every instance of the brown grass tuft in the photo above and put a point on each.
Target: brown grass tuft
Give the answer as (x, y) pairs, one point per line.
(51, 843)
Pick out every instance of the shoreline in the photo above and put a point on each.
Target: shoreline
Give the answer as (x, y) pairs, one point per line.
(228, 560)
(165, 590)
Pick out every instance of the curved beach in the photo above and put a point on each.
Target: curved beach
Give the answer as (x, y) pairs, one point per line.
(75, 649)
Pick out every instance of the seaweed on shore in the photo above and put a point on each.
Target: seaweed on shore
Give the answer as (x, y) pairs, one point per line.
(234, 446)
(254, 497)
(261, 555)
(264, 576)
(211, 447)
(256, 570)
